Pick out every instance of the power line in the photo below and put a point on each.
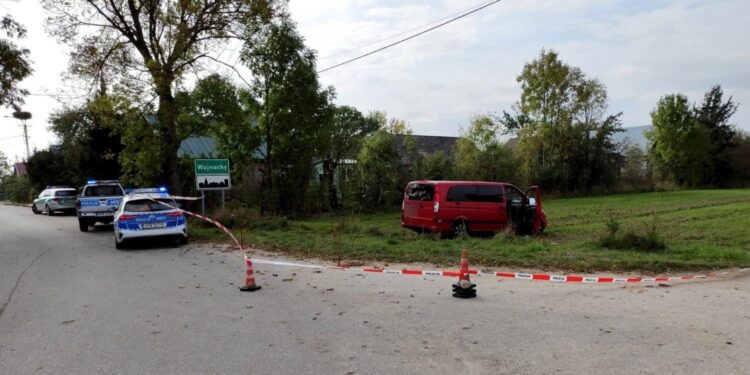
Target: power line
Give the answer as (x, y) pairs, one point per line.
(394, 35)
(409, 37)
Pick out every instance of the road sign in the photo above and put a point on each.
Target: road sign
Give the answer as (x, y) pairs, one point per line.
(212, 174)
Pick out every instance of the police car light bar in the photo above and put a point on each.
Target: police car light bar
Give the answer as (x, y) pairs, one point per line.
(96, 182)
(58, 187)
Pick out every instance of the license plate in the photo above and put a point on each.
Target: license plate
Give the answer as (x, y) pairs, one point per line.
(153, 225)
(104, 214)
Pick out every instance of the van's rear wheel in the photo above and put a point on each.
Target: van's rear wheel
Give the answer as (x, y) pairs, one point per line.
(460, 228)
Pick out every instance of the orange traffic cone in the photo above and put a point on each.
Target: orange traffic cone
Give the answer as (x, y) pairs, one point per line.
(249, 277)
(464, 288)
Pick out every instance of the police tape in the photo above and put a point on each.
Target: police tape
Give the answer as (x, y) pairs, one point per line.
(204, 218)
(456, 273)
(506, 275)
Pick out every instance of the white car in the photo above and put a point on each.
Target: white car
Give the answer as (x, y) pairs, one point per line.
(146, 213)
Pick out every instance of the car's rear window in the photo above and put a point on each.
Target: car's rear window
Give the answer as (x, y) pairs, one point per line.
(420, 192)
(145, 205)
(65, 193)
(463, 193)
(103, 191)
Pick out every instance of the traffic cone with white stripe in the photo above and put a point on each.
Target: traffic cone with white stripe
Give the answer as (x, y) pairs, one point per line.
(250, 285)
(464, 288)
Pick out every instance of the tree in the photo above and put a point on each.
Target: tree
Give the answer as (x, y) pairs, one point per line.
(564, 133)
(14, 64)
(342, 138)
(436, 166)
(89, 142)
(714, 114)
(379, 170)
(122, 41)
(47, 167)
(291, 110)
(480, 155)
(680, 146)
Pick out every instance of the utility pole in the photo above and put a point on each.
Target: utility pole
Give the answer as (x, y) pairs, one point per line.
(23, 116)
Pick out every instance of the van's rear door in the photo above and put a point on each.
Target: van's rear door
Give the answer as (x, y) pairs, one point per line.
(418, 204)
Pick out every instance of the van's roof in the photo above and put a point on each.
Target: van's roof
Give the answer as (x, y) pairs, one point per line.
(444, 182)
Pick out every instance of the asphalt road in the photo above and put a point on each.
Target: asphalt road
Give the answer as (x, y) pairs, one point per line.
(73, 304)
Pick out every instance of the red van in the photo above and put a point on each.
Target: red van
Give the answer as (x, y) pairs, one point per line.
(455, 207)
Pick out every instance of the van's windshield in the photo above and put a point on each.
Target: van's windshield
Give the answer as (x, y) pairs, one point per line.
(420, 192)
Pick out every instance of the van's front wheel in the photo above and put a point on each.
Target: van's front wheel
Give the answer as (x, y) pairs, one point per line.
(460, 228)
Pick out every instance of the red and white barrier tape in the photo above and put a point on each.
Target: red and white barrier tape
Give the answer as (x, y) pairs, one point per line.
(456, 273)
(205, 218)
(509, 275)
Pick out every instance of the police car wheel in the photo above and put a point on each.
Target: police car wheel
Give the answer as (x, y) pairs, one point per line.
(119, 245)
(183, 240)
(34, 209)
(48, 211)
(83, 225)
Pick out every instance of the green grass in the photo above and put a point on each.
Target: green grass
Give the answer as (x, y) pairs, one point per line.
(702, 229)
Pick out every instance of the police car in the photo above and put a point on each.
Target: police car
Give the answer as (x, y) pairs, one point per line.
(98, 202)
(55, 198)
(146, 213)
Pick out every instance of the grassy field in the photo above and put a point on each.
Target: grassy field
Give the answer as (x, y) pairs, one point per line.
(702, 229)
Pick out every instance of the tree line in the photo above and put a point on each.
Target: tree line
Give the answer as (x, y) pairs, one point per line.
(294, 151)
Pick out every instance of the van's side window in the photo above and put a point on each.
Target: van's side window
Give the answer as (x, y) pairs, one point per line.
(462, 193)
(514, 195)
(493, 194)
(420, 192)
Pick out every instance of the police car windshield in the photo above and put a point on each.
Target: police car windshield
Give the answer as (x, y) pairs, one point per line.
(65, 193)
(103, 191)
(145, 205)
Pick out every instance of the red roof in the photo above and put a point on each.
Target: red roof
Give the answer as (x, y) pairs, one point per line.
(19, 169)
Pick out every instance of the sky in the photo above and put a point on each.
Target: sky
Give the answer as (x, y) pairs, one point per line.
(640, 50)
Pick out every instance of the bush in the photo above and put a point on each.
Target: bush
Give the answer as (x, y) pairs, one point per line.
(631, 240)
(17, 189)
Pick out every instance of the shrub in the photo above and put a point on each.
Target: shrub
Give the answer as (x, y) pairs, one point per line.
(631, 240)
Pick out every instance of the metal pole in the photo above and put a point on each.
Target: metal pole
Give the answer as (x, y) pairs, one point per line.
(26, 138)
(222, 201)
(203, 203)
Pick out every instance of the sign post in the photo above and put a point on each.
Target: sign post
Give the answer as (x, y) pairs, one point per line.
(212, 174)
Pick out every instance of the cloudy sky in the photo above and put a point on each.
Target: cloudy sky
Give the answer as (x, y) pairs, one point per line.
(640, 50)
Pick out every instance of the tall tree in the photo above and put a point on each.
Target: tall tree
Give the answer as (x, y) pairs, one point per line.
(89, 141)
(680, 146)
(342, 139)
(564, 132)
(291, 110)
(480, 155)
(714, 114)
(153, 43)
(14, 64)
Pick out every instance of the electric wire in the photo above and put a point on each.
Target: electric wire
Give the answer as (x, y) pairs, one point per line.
(409, 37)
(394, 35)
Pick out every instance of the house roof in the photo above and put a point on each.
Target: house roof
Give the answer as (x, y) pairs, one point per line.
(205, 147)
(198, 147)
(19, 169)
(426, 145)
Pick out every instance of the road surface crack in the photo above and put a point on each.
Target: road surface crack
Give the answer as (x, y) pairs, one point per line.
(18, 281)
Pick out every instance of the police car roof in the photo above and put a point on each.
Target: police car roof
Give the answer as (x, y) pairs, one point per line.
(141, 195)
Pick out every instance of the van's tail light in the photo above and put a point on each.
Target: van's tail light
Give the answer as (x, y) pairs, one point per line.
(126, 217)
(435, 207)
(174, 214)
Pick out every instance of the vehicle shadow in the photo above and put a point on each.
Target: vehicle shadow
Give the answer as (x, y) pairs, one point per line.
(145, 244)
